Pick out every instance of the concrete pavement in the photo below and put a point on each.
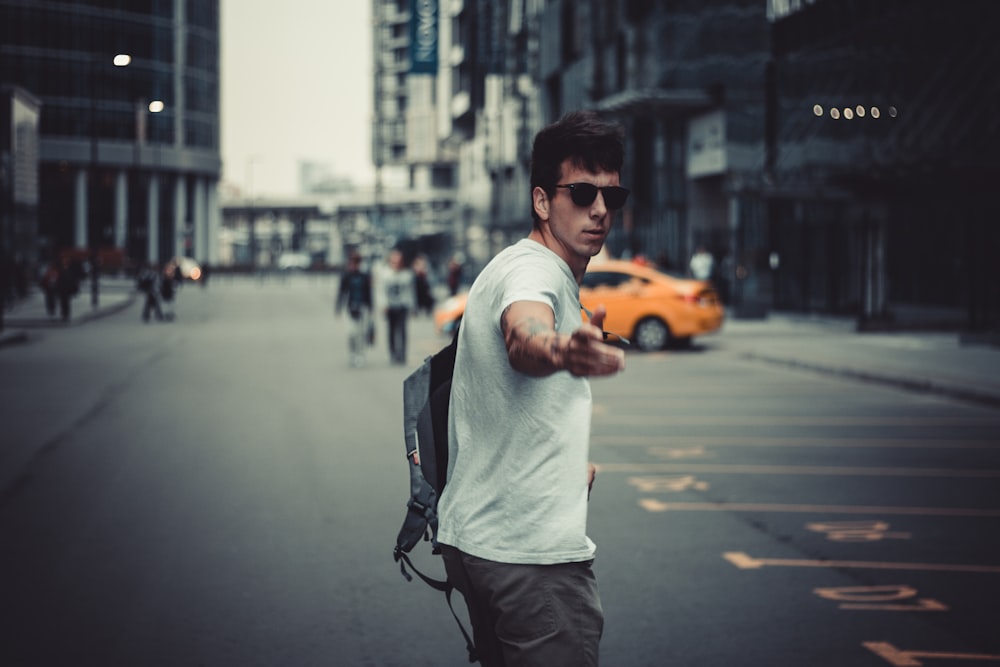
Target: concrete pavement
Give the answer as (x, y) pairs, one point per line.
(943, 363)
(114, 294)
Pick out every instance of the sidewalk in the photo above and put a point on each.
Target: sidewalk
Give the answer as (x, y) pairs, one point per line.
(114, 295)
(933, 362)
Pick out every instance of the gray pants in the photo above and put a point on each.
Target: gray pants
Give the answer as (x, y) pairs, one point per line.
(529, 615)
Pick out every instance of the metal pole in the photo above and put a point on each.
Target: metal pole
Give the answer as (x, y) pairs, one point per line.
(92, 175)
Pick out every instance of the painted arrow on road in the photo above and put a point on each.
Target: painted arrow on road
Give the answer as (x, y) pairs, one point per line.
(746, 562)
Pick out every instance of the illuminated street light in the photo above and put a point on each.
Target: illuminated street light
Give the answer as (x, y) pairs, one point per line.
(156, 106)
(120, 60)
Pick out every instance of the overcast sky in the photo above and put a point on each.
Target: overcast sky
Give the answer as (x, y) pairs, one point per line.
(296, 85)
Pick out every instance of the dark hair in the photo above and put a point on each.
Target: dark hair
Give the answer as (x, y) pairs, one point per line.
(581, 137)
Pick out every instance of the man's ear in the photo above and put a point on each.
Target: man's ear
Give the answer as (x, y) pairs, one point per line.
(540, 200)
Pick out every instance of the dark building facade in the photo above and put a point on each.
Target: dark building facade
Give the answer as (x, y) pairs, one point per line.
(19, 112)
(129, 151)
(882, 167)
(834, 156)
(687, 79)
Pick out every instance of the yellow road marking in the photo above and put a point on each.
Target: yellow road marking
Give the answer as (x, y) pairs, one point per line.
(856, 531)
(745, 562)
(665, 484)
(752, 469)
(602, 415)
(785, 441)
(654, 505)
(893, 597)
(899, 658)
(923, 604)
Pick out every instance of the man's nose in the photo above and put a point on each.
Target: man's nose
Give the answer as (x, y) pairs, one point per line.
(599, 208)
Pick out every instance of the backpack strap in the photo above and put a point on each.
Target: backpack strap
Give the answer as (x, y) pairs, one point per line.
(421, 518)
(445, 587)
(425, 425)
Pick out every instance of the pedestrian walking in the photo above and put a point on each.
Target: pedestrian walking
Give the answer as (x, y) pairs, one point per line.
(701, 264)
(67, 286)
(356, 293)
(514, 512)
(148, 282)
(50, 286)
(398, 291)
(454, 274)
(168, 290)
(422, 283)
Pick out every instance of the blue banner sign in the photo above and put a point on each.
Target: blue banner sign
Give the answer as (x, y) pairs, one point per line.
(424, 37)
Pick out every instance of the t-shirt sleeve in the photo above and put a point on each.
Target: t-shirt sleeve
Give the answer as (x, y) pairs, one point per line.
(529, 281)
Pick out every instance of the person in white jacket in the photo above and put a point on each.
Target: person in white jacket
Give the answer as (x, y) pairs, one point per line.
(399, 297)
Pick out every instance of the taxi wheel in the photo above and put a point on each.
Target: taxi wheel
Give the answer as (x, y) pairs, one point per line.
(651, 334)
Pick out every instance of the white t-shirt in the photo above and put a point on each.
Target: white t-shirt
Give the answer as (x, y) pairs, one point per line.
(518, 445)
(398, 288)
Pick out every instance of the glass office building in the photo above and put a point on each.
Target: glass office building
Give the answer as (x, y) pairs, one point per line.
(883, 162)
(129, 123)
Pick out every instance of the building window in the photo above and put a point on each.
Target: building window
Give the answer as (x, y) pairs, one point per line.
(573, 20)
(442, 176)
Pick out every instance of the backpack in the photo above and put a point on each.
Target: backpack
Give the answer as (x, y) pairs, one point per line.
(426, 393)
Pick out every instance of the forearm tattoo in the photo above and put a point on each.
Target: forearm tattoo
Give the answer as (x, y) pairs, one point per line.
(530, 341)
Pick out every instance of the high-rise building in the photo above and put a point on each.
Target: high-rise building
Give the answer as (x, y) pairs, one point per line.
(415, 168)
(833, 156)
(495, 109)
(129, 123)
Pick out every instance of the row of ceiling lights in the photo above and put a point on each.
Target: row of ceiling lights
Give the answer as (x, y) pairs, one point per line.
(848, 113)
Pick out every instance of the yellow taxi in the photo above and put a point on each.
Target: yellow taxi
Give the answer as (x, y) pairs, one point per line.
(646, 307)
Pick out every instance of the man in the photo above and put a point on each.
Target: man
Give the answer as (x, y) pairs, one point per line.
(514, 512)
(701, 264)
(399, 292)
(356, 292)
(148, 283)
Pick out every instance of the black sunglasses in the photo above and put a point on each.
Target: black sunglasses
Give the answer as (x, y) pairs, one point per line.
(584, 194)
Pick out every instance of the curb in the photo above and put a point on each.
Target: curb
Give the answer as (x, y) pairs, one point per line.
(12, 337)
(909, 384)
(13, 326)
(97, 313)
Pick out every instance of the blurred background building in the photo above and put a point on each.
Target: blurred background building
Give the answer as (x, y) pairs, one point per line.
(415, 166)
(129, 124)
(834, 157)
(884, 145)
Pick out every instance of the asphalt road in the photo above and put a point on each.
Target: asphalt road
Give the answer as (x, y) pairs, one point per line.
(224, 490)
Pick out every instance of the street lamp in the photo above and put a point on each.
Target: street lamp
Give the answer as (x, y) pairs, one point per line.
(119, 60)
(142, 108)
